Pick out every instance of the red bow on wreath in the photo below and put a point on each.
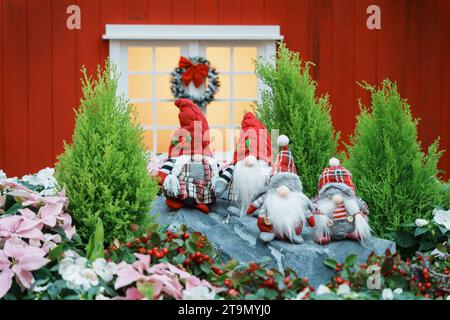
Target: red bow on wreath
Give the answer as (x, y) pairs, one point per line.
(193, 72)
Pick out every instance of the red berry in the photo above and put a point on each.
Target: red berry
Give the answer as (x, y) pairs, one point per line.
(138, 241)
(227, 282)
(165, 251)
(198, 254)
(128, 244)
(105, 251)
(428, 285)
(200, 245)
(339, 280)
(269, 283)
(233, 293)
(186, 236)
(253, 266)
(187, 261)
(142, 251)
(305, 279)
(149, 252)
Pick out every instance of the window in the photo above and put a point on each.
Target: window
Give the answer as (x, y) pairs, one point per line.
(146, 55)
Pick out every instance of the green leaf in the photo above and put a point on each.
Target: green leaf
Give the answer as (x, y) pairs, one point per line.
(330, 263)
(419, 231)
(57, 252)
(404, 239)
(442, 248)
(146, 289)
(14, 209)
(205, 268)
(351, 260)
(426, 246)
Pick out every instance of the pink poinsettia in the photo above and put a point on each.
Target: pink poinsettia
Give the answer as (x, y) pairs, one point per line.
(164, 277)
(21, 227)
(18, 259)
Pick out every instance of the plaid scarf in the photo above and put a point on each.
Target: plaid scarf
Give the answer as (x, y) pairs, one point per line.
(200, 190)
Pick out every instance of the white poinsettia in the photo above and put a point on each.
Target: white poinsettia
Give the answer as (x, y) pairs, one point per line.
(387, 294)
(2, 175)
(103, 269)
(76, 273)
(442, 218)
(198, 293)
(343, 289)
(322, 289)
(44, 178)
(421, 222)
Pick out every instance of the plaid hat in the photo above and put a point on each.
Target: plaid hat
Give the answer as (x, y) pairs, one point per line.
(337, 176)
(285, 160)
(254, 139)
(193, 135)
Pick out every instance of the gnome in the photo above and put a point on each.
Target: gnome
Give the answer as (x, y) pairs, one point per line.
(186, 176)
(340, 213)
(250, 170)
(283, 207)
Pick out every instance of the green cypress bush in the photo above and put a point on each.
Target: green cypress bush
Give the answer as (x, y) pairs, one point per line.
(290, 104)
(104, 169)
(392, 174)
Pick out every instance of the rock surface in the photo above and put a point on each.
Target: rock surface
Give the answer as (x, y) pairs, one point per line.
(237, 238)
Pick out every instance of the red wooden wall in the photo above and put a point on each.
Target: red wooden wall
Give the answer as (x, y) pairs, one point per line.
(40, 59)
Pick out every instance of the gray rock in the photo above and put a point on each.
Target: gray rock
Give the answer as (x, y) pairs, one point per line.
(237, 238)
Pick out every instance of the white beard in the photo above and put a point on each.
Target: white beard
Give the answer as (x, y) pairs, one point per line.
(326, 206)
(249, 180)
(286, 213)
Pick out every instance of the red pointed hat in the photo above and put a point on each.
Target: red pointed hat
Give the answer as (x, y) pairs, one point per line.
(285, 159)
(254, 139)
(193, 135)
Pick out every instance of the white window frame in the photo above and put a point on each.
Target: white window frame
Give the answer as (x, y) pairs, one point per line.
(192, 39)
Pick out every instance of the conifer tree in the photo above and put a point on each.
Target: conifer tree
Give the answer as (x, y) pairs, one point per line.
(392, 174)
(290, 104)
(104, 169)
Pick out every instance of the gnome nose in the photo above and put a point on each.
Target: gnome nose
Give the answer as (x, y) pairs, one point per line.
(337, 199)
(250, 161)
(283, 191)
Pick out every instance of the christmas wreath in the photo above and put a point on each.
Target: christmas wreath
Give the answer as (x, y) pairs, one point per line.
(196, 69)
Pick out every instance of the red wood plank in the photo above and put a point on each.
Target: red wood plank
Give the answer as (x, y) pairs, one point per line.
(321, 44)
(183, 11)
(88, 40)
(15, 73)
(445, 92)
(366, 58)
(253, 12)
(65, 75)
(111, 12)
(297, 34)
(160, 12)
(430, 71)
(230, 11)
(206, 11)
(136, 11)
(40, 111)
(410, 55)
(275, 12)
(2, 124)
(343, 77)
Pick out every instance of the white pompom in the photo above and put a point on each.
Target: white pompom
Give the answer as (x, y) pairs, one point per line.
(283, 140)
(334, 162)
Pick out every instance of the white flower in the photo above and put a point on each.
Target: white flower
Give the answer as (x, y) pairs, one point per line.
(75, 273)
(398, 291)
(343, 289)
(421, 222)
(198, 293)
(103, 269)
(2, 175)
(387, 294)
(44, 178)
(322, 290)
(442, 217)
(302, 294)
